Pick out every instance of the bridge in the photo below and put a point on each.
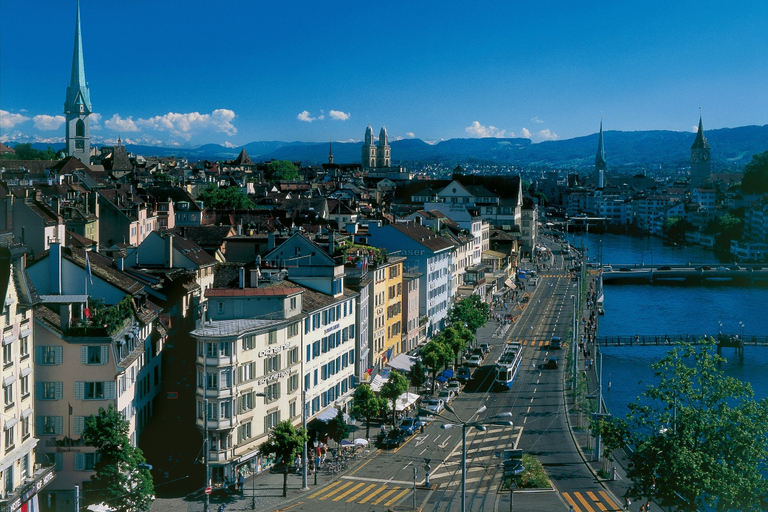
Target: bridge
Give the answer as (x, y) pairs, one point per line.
(721, 340)
(667, 274)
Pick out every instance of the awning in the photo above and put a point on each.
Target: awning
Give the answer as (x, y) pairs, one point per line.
(328, 414)
(405, 401)
(377, 382)
(402, 362)
(509, 284)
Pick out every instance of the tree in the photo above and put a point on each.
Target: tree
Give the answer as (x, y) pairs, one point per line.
(674, 228)
(284, 442)
(338, 428)
(365, 404)
(729, 227)
(755, 180)
(455, 337)
(471, 311)
(418, 374)
(25, 151)
(436, 355)
(278, 170)
(699, 438)
(393, 388)
(122, 479)
(226, 198)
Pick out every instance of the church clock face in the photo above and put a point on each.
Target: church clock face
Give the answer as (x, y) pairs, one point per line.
(694, 155)
(703, 156)
(79, 144)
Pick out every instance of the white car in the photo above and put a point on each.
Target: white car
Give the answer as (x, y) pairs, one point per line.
(474, 360)
(454, 386)
(446, 395)
(434, 405)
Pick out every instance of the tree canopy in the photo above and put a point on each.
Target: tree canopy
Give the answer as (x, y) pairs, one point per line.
(418, 374)
(674, 228)
(755, 180)
(393, 388)
(225, 198)
(699, 438)
(285, 441)
(366, 404)
(119, 482)
(436, 355)
(471, 311)
(25, 151)
(338, 428)
(278, 170)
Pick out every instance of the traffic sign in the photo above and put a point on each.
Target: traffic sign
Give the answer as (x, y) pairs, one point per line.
(208, 490)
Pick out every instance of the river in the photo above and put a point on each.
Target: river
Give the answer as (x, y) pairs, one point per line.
(678, 308)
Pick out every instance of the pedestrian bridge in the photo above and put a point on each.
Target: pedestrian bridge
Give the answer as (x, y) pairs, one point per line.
(722, 340)
(668, 274)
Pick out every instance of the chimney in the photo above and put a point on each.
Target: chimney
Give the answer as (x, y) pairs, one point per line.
(65, 316)
(241, 278)
(254, 278)
(121, 263)
(270, 240)
(419, 220)
(169, 249)
(240, 228)
(54, 268)
(330, 242)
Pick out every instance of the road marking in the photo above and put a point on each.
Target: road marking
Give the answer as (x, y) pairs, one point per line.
(374, 493)
(421, 439)
(525, 419)
(596, 500)
(583, 501)
(529, 409)
(406, 466)
(324, 489)
(348, 491)
(337, 489)
(377, 480)
(444, 443)
(422, 451)
(353, 498)
(397, 497)
(608, 499)
(384, 496)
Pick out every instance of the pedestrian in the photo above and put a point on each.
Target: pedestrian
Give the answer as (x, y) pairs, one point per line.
(627, 502)
(648, 506)
(226, 484)
(241, 482)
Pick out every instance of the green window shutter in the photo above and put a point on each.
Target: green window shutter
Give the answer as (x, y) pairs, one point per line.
(39, 425)
(38, 354)
(59, 425)
(79, 425)
(109, 390)
(59, 390)
(104, 354)
(84, 355)
(79, 461)
(79, 390)
(59, 354)
(58, 460)
(39, 390)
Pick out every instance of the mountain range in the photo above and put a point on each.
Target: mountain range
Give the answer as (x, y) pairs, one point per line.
(732, 148)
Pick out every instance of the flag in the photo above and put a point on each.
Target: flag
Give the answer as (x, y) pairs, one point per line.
(70, 409)
(88, 267)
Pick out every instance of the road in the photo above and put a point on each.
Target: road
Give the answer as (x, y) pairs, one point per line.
(386, 479)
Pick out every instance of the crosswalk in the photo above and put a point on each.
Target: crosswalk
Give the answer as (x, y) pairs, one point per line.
(354, 491)
(591, 501)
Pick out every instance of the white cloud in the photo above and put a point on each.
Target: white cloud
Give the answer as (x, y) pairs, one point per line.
(304, 116)
(546, 135)
(695, 129)
(119, 124)
(186, 125)
(95, 121)
(338, 115)
(411, 135)
(525, 133)
(481, 131)
(536, 120)
(8, 120)
(228, 145)
(44, 122)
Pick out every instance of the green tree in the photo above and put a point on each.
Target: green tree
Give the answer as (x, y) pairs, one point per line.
(699, 438)
(418, 374)
(284, 442)
(278, 170)
(226, 198)
(122, 479)
(393, 388)
(366, 404)
(471, 311)
(25, 151)
(674, 228)
(436, 356)
(755, 180)
(455, 337)
(338, 428)
(729, 227)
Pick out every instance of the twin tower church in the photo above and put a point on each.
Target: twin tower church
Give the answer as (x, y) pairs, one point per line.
(77, 108)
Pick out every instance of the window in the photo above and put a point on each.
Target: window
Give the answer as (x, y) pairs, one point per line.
(25, 427)
(50, 390)
(225, 349)
(212, 349)
(272, 364)
(220, 307)
(49, 425)
(212, 381)
(24, 386)
(293, 330)
(94, 390)
(8, 394)
(249, 342)
(293, 302)
(293, 356)
(244, 432)
(94, 355)
(273, 337)
(24, 347)
(247, 372)
(271, 419)
(9, 438)
(8, 353)
(293, 383)
(225, 410)
(292, 408)
(273, 392)
(86, 461)
(247, 402)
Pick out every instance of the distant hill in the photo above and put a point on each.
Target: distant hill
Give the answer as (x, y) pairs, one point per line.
(732, 148)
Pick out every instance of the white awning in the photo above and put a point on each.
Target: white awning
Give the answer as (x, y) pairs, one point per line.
(406, 400)
(402, 362)
(27, 412)
(25, 333)
(377, 382)
(9, 380)
(9, 339)
(26, 371)
(328, 414)
(9, 423)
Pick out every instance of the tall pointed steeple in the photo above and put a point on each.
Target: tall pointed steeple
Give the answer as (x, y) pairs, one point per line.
(77, 106)
(330, 151)
(600, 163)
(701, 168)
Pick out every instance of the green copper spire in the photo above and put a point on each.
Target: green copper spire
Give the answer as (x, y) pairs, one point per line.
(77, 92)
(600, 157)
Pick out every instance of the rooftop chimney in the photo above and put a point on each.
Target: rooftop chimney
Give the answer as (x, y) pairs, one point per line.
(254, 278)
(54, 268)
(169, 250)
(241, 278)
(330, 242)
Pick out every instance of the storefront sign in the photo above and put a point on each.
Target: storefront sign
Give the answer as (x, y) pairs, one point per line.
(275, 376)
(274, 350)
(331, 328)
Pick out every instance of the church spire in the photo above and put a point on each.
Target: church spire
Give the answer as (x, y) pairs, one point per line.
(600, 159)
(701, 140)
(330, 151)
(77, 92)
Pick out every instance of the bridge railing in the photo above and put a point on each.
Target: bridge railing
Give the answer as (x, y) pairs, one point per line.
(727, 340)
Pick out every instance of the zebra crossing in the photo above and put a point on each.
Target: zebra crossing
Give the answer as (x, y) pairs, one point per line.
(484, 449)
(591, 501)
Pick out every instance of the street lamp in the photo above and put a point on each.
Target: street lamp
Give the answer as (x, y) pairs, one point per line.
(479, 425)
(574, 349)
(253, 475)
(741, 324)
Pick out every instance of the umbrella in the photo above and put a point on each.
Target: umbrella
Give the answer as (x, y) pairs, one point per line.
(440, 378)
(447, 374)
(345, 442)
(361, 442)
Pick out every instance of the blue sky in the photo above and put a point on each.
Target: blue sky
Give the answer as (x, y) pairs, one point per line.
(231, 72)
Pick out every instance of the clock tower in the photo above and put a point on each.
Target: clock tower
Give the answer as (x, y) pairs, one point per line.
(77, 106)
(700, 154)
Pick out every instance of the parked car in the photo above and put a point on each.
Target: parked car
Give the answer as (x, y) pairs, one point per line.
(474, 360)
(485, 348)
(455, 386)
(464, 374)
(446, 395)
(555, 343)
(411, 425)
(433, 405)
(394, 438)
(551, 363)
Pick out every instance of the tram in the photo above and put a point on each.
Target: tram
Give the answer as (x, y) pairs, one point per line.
(508, 365)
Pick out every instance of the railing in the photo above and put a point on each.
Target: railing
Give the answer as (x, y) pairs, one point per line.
(725, 340)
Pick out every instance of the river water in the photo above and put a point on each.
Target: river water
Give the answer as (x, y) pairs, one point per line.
(671, 309)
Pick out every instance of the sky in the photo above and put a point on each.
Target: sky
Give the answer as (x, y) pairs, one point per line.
(173, 73)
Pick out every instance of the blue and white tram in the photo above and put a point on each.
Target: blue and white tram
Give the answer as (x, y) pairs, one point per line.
(508, 365)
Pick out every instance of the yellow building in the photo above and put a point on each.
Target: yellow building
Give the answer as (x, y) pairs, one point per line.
(386, 313)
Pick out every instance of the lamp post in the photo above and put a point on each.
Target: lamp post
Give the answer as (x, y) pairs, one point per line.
(253, 476)
(741, 324)
(480, 425)
(574, 349)
(304, 486)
